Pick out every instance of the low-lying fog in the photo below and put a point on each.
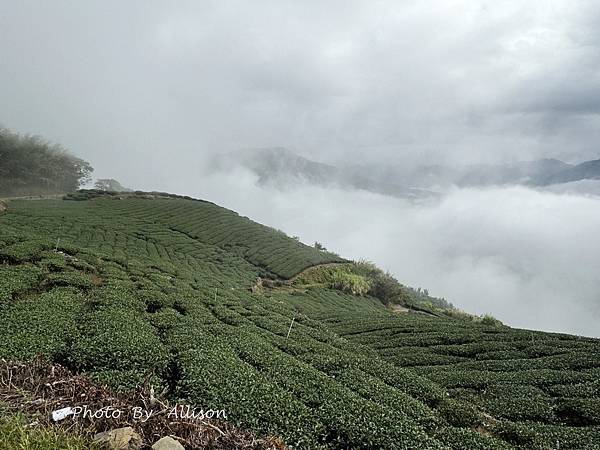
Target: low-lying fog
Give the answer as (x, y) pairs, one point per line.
(530, 258)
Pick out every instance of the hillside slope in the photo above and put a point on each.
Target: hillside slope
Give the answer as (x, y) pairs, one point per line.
(150, 285)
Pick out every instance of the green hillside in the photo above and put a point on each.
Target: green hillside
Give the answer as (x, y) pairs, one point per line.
(129, 287)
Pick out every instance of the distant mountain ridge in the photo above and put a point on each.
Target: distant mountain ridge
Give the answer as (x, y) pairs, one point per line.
(588, 170)
(282, 168)
(522, 172)
(541, 172)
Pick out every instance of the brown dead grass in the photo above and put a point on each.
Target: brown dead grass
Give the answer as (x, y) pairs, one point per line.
(96, 280)
(38, 388)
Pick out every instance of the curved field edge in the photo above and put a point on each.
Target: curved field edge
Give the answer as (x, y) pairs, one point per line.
(265, 247)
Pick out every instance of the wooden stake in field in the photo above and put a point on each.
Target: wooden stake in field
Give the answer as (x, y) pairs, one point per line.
(289, 331)
(58, 240)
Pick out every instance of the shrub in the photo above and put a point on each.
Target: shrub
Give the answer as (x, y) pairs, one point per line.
(382, 284)
(117, 339)
(46, 324)
(461, 438)
(490, 320)
(18, 279)
(579, 411)
(350, 283)
(74, 279)
(459, 414)
(25, 250)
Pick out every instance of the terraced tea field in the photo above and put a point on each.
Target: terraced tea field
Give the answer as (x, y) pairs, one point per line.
(125, 289)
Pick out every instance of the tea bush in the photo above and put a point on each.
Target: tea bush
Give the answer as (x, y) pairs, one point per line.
(18, 279)
(117, 338)
(46, 324)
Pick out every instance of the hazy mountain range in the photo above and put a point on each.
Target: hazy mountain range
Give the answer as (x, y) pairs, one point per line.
(281, 168)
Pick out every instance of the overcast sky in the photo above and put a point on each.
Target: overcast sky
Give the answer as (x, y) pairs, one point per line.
(154, 84)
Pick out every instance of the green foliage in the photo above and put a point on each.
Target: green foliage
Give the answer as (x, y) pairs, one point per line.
(18, 279)
(178, 218)
(488, 319)
(25, 250)
(32, 166)
(461, 438)
(388, 290)
(532, 435)
(72, 278)
(460, 414)
(45, 324)
(516, 402)
(591, 389)
(364, 278)
(156, 287)
(117, 338)
(349, 282)
(17, 433)
(579, 411)
(382, 284)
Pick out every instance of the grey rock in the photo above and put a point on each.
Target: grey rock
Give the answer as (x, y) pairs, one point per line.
(119, 439)
(167, 443)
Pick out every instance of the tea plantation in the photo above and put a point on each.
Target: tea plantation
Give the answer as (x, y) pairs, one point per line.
(126, 287)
